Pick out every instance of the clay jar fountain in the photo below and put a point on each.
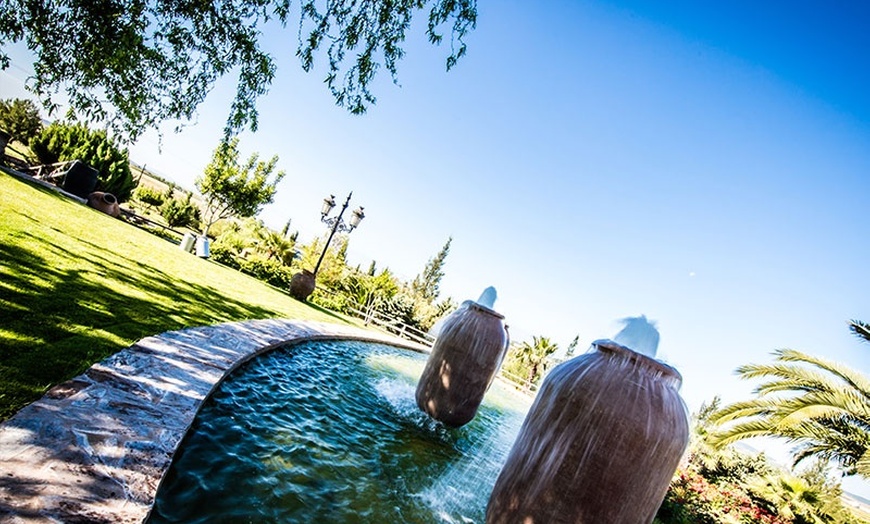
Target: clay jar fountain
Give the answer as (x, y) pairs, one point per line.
(467, 354)
(598, 446)
(105, 202)
(302, 284)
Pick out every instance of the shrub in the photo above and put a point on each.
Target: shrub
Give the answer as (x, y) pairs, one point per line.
(691, 499)
(329, 300)
(401, 307)
(270, 271)
(148, 196)
(222, 254)
(178, 213)
(61, 142)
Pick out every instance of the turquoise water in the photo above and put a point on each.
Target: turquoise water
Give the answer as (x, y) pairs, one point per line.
(328, 432)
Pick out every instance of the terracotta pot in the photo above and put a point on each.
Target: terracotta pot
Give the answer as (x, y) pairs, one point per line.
(105, 202)
(465, 359)
(600, 443)
(302, 284)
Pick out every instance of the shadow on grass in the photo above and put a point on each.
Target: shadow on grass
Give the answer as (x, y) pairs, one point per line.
(60, 316)
(327, 312)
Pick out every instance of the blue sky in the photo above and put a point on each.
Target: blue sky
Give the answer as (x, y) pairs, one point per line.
(704, 165)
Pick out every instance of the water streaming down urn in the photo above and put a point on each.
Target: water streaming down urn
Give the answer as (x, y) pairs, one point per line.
(601, 441)
(467, 354)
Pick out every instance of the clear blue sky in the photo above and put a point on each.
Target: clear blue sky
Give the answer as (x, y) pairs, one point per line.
(705, 165)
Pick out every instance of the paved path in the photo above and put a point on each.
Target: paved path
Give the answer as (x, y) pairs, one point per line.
(94, 449)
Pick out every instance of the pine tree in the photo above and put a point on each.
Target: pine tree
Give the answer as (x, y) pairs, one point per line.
(572, 347)
(426, 284)
(20, 118)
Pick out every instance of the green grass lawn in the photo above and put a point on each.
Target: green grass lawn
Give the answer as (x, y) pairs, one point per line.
(77, 286)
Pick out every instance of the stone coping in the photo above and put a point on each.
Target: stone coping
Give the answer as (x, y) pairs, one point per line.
(95, 448)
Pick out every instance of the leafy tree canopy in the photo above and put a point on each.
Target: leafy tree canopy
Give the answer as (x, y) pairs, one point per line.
(135, 63)
(20, 118)
(234, 189)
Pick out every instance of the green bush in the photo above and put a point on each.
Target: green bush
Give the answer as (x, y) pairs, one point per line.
(691, 499)
(180, 213)
(332, 300)
(222, 254)
(401, 307)
(270, 271)
(148, 196)
(61, 142)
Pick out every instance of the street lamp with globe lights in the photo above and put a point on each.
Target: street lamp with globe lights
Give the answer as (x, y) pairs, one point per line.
(302, 284)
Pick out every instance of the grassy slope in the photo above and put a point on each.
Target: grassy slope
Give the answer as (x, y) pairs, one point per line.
(77, 285)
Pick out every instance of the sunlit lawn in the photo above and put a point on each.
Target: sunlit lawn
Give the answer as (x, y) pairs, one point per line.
(77, 285)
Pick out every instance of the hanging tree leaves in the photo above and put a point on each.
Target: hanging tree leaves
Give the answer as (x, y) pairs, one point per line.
(136, 63)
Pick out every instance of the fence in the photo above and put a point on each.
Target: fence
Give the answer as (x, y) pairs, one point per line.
(392, 325)
(522, 385)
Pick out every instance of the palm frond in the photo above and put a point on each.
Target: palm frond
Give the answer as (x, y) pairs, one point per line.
(746, 430)
(811, 411)
(860, 329)
(747, 408)
(846, 402)
(822, 406)
(791, 377)
(851, 376)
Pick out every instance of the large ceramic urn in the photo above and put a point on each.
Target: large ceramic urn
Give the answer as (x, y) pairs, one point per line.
(467, 354)
(302, 285)
(599, 445)
(105, 202)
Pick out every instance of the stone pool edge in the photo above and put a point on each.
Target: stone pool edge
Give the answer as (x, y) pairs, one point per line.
(95, 448)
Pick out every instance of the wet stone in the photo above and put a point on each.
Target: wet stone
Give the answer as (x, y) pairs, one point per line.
(94, 449)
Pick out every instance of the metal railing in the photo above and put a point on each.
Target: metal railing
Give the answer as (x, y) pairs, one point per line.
(370, 316)
(519, 383)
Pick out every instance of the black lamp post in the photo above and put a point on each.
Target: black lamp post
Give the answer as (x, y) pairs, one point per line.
(303, 284)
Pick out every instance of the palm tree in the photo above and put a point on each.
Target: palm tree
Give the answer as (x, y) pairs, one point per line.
(799, 499)
(825, 409)
(275, 245)
(534, 356)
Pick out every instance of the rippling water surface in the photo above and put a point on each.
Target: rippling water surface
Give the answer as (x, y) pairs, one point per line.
(328, 432)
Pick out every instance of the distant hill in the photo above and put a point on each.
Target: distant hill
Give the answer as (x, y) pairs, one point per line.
(139, 170)
(154, 181)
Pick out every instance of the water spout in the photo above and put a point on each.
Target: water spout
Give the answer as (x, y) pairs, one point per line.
(488, 298)
(640, 335)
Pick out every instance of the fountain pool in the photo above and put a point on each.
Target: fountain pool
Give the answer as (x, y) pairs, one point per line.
(329, 431)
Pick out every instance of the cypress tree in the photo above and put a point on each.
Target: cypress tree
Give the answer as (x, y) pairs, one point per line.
(426, 283)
